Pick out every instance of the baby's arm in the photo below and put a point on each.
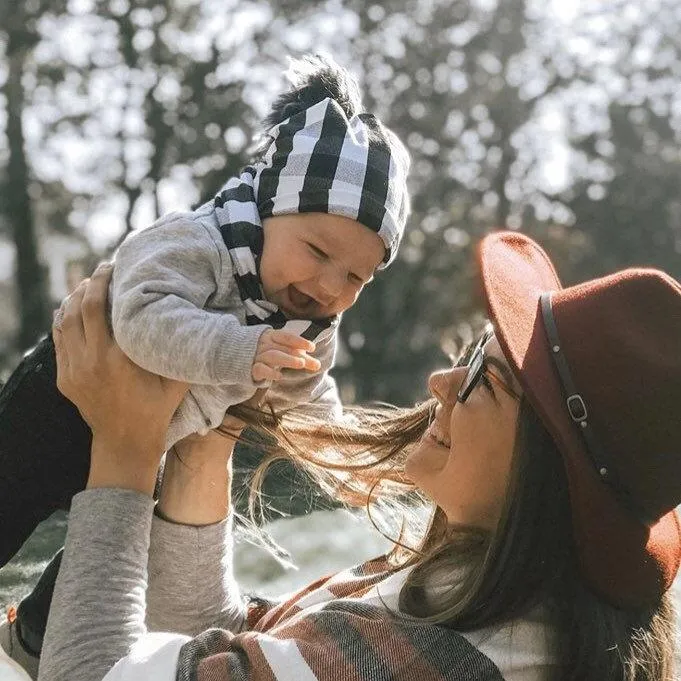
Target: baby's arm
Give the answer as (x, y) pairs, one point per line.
(163, 278)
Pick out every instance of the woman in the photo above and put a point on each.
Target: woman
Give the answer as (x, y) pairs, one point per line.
(551, 458)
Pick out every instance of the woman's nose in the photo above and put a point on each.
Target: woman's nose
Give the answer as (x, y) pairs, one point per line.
(439, 384)
(444, 384)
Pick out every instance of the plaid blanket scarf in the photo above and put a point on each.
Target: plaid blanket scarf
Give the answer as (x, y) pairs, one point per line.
(328, 633)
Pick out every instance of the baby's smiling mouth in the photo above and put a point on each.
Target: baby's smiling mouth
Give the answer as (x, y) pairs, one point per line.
(301, 301)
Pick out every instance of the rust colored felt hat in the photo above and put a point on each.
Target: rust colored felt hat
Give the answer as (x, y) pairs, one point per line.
(600, 362)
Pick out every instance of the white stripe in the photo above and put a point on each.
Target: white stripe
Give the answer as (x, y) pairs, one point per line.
(153, 658)
(520, 650)
(292, 175)
(240, 211)
(245, 263)
(297, 326)
(266, 305)
(285, 660)
(320, 595)
(346, 188)
(252, 308)
(265, 163)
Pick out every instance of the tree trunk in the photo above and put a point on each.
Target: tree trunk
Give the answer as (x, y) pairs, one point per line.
(30, 275)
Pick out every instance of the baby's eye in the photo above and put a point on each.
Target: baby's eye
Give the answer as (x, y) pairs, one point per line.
(354, 279)
(318, 251)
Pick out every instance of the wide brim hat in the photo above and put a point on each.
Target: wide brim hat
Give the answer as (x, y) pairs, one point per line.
(600, 362)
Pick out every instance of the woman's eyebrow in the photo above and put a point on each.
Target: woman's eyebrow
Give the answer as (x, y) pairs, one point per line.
(505, 372)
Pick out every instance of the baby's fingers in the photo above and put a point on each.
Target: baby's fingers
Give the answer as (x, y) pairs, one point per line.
(290, 340)
(311, 363)
(279, 359)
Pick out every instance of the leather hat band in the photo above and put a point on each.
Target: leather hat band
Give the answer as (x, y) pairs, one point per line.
(579, 413)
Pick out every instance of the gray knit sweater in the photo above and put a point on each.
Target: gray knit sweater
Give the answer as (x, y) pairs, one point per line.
(176, 311)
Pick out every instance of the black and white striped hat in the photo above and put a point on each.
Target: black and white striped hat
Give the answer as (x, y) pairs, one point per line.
(321, 161)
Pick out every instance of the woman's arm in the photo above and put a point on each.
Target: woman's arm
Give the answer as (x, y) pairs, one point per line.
(191, 580)
(98, 607)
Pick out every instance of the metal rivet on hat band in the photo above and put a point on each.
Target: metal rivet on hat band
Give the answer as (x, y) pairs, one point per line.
(577, 409)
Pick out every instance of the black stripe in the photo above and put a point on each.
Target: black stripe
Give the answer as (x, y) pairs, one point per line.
(242, 193)
(449, 653)
(243, 234)
(269, 177)
(349, 641)
(321, 169)
(277, 319)
(210, 643)
(315, 329)
(375, 188)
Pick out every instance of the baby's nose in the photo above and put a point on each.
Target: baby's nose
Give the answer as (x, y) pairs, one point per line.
(332, 281)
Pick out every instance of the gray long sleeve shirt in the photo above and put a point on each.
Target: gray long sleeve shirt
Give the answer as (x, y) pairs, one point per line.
(191, 584)
(176, 311)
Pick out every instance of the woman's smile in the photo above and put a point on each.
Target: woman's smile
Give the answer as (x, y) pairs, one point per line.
(436, 433)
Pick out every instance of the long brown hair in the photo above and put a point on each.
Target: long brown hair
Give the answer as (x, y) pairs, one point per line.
(529, 560)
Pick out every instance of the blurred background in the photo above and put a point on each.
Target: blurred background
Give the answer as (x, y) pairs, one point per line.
(560, 118)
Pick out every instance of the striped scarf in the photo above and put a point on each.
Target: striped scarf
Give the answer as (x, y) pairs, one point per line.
(241, 230)
(328, 632)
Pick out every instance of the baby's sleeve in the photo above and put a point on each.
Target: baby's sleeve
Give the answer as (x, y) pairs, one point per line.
(163, 278)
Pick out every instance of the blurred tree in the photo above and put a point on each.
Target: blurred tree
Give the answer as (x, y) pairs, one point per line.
(161, 104)
(627, 163)
(18, 27)
(193, 110)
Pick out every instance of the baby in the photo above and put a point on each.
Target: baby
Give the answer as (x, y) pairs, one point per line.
(243, 293)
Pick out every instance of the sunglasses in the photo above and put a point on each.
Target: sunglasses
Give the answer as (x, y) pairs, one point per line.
(476, 362)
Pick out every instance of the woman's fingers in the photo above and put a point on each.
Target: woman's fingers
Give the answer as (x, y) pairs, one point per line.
(72, 318)
(62, 357)
(94, 306)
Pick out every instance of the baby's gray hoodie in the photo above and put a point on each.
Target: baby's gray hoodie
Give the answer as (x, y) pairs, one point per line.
(176, 311)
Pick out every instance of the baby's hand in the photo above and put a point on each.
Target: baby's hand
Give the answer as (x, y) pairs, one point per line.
(279, 350)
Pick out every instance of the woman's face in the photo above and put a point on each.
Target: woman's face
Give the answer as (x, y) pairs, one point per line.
(463, 461)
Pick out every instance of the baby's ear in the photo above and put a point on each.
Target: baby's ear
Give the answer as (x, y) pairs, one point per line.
(314, 78)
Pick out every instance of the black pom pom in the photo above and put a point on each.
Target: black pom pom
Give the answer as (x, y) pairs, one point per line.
(314, 78)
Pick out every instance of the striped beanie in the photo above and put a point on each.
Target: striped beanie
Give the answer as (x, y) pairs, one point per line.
(320, 161)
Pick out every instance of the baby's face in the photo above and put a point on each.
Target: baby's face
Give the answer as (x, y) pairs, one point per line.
(314, 265)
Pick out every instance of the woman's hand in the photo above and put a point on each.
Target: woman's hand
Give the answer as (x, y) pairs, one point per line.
(127, 408)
